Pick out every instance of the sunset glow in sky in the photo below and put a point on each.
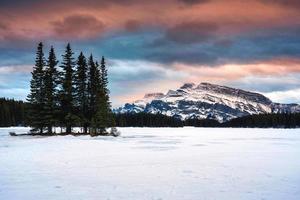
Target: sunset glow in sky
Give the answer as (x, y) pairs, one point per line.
(155, 45)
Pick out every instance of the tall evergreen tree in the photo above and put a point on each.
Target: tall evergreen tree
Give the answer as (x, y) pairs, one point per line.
(93, 86)
(103, 117)
(67, 91)
(104, 87)
(51, 90)
(81, 90)
(36, 98)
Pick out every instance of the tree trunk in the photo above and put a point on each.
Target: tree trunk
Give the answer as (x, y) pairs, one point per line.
(49, 129)
(68, 129)
(103, 131)
(85, 129)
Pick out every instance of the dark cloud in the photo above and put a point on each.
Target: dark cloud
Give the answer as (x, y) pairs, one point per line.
(8, 3)
(132, 25)
(280, 42)
(10, 39)
(191, 32)
(192, 2)
(288, 3)
(263, 45)
(66, 3)
(224, 43)
(78, 26)
(183, 56)
(33, 2)
(243, 49)
(154, 46)
(3, 26)
(26, 7)
(11, 3)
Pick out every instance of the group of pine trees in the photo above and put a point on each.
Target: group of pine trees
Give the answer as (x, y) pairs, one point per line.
(70, 94)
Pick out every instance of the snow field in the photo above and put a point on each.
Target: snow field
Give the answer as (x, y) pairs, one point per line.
(153, 163)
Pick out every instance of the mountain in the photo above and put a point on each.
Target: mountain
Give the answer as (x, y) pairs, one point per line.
(207, 101)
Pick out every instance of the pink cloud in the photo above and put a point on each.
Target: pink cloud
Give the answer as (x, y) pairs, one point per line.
(280, 66)
(75, 18)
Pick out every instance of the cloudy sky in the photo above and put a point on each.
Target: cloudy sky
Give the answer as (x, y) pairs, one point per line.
(155, 45)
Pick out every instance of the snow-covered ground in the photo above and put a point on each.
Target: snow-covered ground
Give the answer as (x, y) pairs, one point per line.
(153, 163)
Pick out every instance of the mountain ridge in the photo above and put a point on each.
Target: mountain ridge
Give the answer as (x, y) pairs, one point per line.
(207, 101)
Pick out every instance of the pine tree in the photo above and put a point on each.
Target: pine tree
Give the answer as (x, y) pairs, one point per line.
(100, 118)
(103, 117)
(93, 87)
(81, 91)
(36, 98)
(104, 88)
(67, 91)
(51, 90)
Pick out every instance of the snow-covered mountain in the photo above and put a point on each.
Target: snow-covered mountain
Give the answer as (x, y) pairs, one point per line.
(206, 101)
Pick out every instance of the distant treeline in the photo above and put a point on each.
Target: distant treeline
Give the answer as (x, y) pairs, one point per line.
(13, 113)
(147, 120)
(284, 120)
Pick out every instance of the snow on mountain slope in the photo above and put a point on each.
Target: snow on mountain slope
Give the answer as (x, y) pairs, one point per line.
(206, 101)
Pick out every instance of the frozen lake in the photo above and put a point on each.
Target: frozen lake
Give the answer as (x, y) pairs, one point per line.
(153, 163)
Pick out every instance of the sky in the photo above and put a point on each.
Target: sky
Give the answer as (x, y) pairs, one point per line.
(156, 45)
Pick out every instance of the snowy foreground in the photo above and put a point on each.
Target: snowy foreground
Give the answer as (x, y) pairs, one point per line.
(153, 163)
